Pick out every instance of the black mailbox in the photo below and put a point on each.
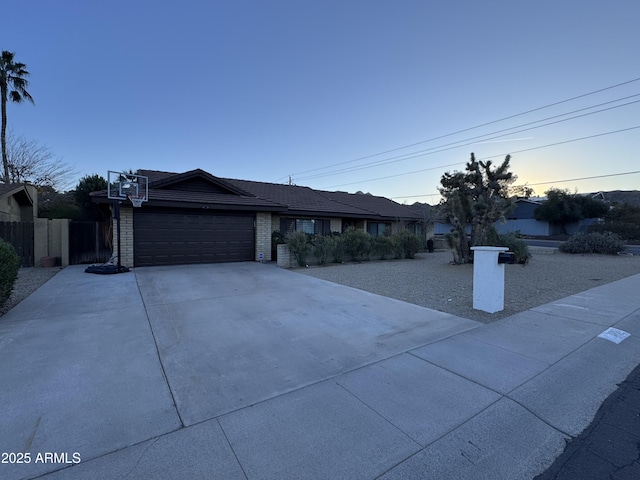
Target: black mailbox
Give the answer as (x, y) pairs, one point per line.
(507, 258)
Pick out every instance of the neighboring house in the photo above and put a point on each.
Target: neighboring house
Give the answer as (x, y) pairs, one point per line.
(523, 220)
(18, 202)
(195, 217)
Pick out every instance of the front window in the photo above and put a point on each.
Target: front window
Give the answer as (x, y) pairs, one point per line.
(376, 229)
(308, 225)
(313, 226)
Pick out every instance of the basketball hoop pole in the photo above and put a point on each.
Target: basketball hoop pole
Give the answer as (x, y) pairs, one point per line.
(117, 202)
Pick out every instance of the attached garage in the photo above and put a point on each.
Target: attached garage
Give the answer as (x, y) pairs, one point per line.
(174, 236)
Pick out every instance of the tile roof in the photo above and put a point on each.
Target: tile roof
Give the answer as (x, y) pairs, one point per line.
(289, 199)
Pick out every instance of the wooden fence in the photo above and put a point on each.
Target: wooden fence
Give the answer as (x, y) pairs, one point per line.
(89, 242)
(20, 235)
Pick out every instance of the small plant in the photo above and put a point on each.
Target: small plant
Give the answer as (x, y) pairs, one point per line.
(323, 246)
(9, 265)
(383, 246)
(606, 243)
(357, 244)
(299, 245)
(430, 245)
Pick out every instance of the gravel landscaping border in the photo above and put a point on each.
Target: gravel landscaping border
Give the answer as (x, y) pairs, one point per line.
(430, 280)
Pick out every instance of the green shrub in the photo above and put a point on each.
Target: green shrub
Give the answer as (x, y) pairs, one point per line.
(383, 246)
(625, 230)
(9, 265)
(516, 244)
(338, 251)
(299, 245)
(407, 244)
(323, 246)
(357, 244)
(595, 242)
(623, 220)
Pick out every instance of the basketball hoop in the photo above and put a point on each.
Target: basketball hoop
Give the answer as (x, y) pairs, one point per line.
(136, 200)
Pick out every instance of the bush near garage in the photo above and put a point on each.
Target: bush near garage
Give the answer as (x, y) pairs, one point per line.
(9, 265)
(300, 245)
(595, 242)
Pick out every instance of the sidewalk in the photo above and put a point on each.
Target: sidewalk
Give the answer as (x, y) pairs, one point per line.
(609, 448)
(377, 396)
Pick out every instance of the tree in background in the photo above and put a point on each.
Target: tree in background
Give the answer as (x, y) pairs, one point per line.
(479, 196)
(88, 209)
(53, 204)
(13, 86)
(522, 191)
(623, 220)
(29, 162)
(563, 207)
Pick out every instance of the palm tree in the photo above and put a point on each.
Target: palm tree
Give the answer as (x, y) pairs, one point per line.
(13, 85)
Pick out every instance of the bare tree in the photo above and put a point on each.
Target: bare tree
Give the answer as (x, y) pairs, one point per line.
(31, 162)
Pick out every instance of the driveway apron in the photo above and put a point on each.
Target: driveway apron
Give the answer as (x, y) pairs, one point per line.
(232, 335)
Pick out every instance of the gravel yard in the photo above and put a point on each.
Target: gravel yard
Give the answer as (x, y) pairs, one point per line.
(430, 280)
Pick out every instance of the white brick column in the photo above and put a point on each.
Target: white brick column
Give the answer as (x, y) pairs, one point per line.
(263, 236)
(126, 237)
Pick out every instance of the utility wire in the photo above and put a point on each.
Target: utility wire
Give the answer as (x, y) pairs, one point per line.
(487, 158)
(539, 183)
(474, 140)
(470, 128)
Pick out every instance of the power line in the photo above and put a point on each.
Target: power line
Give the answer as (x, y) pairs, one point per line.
(539, 183)
(474, 140)
(494, 156)
(470, 128)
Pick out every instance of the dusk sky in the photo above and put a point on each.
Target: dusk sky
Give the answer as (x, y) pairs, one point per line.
(320, 90)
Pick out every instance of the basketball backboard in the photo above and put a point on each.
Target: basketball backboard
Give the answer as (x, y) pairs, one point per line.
(128, 186)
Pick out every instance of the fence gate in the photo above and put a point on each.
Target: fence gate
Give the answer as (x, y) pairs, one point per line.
(20, 235)
(89, 242)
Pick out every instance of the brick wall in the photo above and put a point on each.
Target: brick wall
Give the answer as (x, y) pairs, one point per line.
(263, 236)
(126, 237)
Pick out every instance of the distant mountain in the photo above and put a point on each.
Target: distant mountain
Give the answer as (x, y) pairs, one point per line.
(632, 197)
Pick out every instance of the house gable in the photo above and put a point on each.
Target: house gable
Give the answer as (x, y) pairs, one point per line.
(197, 181)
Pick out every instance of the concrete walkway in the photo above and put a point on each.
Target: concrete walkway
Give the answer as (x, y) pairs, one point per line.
(250, 371)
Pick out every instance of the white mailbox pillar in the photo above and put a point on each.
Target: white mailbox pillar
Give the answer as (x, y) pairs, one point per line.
(488, 279)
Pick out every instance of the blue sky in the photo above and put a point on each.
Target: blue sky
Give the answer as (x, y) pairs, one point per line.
(261, 90)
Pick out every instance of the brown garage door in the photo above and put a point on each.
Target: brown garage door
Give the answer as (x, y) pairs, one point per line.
(173, 237)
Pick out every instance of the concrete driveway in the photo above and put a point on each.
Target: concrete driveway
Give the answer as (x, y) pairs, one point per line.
(250, 371)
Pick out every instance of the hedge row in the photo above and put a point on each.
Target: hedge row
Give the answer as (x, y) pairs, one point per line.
(357, 245)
